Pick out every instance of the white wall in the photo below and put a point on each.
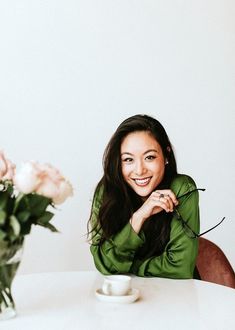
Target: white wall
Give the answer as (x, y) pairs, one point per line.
(71, 71)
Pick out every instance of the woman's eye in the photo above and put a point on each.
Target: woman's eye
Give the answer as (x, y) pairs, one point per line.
(127, 160)
(150, 157)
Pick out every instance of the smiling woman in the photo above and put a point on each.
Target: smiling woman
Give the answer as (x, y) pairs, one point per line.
(133, 226)
(143, 162)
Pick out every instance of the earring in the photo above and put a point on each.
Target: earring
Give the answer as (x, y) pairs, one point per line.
(166, 162)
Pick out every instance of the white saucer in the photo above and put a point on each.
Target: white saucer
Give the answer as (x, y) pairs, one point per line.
(130, 297)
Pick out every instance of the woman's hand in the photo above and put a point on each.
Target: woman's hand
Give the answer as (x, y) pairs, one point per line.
(158, 201)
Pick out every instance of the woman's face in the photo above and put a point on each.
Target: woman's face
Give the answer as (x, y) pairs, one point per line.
(143, 163)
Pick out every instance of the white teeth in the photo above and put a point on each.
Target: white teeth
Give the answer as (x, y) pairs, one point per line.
(142, 182)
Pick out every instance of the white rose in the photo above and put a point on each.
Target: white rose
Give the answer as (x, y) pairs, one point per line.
(27, 177)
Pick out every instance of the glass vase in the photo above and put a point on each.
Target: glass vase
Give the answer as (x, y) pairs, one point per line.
(10, 257)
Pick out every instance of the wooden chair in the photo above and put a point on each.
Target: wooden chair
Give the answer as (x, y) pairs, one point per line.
(212, 264)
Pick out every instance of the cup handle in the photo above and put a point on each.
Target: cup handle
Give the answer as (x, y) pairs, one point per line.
(106, 288)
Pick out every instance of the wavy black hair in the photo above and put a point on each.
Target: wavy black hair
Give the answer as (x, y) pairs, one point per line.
(119, 200)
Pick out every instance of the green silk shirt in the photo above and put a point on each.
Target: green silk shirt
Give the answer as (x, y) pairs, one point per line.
(117, 255)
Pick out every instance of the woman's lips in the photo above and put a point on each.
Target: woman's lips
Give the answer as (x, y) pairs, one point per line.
(142, 182)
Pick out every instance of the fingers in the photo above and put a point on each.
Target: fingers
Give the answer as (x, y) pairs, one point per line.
(168, 192)
(166, 197)
(169, 202)
(160, 202)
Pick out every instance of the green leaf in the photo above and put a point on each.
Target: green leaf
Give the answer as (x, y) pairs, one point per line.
(14, 223)
(10, 188)
(37, 204)
(3, 216)
(6, 202)
(25, 228)
(49, 226)
(23, 216)
(2, 235)
(47, 216)
(3, 200)
(19, 200)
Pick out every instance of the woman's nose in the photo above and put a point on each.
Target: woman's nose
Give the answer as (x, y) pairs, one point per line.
(139, 168)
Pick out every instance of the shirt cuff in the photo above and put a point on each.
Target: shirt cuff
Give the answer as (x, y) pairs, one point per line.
(127, 239)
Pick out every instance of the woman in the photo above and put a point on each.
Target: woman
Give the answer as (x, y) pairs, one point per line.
(139, 203)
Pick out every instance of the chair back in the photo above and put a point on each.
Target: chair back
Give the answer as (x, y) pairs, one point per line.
(212, 264)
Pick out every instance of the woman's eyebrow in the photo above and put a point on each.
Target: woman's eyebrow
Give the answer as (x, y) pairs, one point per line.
(126, 153)
(146, 152)
(151, 150)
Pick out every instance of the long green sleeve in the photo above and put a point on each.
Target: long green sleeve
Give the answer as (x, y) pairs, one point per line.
(117, 255)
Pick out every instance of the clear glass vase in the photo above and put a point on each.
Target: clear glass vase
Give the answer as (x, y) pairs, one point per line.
(10, 257)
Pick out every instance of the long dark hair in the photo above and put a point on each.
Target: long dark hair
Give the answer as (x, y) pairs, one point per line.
(119, 201)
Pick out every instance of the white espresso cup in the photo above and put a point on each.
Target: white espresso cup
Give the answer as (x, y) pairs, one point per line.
(116, 285)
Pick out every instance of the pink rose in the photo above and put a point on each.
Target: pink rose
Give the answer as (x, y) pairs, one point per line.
(53, 185)
(7, 168)
(65, 190)
(43, 179)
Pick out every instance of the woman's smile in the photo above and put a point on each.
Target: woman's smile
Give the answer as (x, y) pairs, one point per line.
(142, 182)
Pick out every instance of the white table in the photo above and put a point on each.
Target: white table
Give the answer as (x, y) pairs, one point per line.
(56, 301)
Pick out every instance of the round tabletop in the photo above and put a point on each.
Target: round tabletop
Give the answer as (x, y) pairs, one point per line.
(67, 301)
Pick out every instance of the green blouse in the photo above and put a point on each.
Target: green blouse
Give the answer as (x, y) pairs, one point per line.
(117, 255)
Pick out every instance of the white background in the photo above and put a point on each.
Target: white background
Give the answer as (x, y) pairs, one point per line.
(71, 71)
